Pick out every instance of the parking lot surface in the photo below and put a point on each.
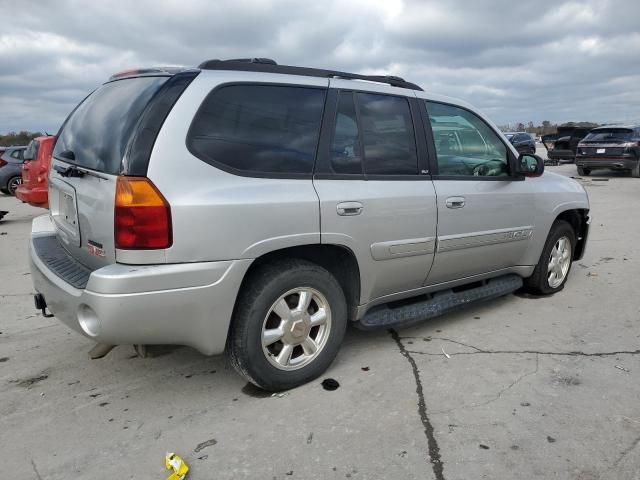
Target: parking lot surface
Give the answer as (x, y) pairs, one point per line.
(520, 387)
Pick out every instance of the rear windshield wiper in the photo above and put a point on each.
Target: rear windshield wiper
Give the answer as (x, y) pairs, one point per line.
(70, 171)
(74, 171)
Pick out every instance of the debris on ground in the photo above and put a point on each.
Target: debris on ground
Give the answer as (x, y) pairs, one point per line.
(445, 353)
(205, 444)
(330, 384)
(280, 394)
(592, 274)
(620, 367)
(2, 214)
(175, 463)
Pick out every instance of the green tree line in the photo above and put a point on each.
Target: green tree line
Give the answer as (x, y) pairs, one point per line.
(18, 138)
(546, 127)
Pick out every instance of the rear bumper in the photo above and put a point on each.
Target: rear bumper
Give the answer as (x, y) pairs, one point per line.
(615, 163)
(38, 196)
(184, 304)
(568, 155)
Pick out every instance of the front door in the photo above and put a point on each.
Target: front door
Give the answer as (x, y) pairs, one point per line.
(485, 215)
(374, 199)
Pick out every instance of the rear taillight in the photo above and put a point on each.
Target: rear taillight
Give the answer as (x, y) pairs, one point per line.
(142, 216)
(3, 162)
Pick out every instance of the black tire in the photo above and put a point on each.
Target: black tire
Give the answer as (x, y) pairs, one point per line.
(259, 293)
(584, 172)
(13, 184)
(538, 282)
(635, 171)
(5, 191)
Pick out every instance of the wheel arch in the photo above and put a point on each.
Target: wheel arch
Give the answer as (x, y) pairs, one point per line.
(579, 220)
(339, 260)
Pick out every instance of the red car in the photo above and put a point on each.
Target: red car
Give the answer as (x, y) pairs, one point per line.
(35, 172)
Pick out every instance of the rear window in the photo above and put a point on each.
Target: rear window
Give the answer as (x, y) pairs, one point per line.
(265, 129)
(31, 153)
(610, 134)
(100, 128)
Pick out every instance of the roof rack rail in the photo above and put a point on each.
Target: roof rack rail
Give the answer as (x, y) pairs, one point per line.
(266, 65)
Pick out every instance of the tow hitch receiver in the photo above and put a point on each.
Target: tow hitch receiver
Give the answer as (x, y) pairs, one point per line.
(41, 304)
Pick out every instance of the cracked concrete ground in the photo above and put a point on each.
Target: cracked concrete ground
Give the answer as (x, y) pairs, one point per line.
(533, 388)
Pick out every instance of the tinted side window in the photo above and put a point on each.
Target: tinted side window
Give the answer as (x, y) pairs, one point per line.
(259, 128)
(346, 155)
(387, 134)
(465, 144)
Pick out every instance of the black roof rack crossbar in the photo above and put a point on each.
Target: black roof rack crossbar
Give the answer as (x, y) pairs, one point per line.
(266, 65)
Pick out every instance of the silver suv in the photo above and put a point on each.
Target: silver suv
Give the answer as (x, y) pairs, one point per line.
(257, 209)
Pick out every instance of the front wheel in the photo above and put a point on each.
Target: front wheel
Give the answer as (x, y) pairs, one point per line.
(13, 184)
(289, 322)
(553, 268)
(583, 172)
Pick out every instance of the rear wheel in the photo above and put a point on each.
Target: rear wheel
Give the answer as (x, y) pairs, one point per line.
(289, 322)
(12, 185)
(584, 172)
(553, 268)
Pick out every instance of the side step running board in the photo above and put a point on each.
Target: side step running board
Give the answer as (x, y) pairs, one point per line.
(442, 302)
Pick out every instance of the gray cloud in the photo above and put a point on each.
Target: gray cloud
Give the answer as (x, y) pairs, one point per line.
(518, 61)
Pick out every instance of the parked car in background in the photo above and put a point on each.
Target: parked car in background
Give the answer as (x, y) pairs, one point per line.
(523, 142)
(35, 172)
(616, 148)
(561, 146)
(11, 169)
(304, 199)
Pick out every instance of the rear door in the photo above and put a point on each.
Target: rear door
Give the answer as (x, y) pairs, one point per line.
(87, 159)
(485, 216)
(376, 197)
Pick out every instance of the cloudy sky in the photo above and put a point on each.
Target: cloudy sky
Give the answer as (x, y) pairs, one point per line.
(518, 61)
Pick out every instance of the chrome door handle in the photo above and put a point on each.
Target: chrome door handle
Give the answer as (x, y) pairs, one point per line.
(455, 202)
(347, 209)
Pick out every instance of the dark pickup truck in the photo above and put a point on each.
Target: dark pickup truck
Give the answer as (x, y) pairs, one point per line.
(562, 146)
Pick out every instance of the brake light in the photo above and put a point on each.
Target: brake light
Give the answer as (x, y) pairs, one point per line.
(142, 216)
(3, 162)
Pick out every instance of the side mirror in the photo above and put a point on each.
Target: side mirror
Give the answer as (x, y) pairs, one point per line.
(529, 165)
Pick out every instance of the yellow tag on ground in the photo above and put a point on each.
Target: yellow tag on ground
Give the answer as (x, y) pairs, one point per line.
(175, 463)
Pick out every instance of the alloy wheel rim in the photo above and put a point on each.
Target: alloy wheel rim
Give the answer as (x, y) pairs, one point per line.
(13, 185)
(296, 328)
(559, 262)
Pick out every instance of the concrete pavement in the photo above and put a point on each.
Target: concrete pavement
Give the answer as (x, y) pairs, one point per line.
(520, 387)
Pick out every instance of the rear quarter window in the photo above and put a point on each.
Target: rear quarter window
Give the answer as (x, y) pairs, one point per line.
(259, 129)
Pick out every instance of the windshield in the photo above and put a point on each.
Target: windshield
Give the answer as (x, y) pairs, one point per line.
(610, 134)
(96, 134)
